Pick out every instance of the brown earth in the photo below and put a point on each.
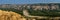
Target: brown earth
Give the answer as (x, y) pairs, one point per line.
(9, 15)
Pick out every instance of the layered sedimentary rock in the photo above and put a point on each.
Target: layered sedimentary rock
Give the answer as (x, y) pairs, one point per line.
(50, 6)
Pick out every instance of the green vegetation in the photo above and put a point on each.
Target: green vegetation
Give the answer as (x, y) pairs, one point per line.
(50, 13)
(12, 9)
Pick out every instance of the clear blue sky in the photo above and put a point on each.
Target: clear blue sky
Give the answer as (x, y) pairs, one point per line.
(27, 1)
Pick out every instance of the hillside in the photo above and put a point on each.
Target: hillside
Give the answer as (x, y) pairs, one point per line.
(9, 15)
(40, 9)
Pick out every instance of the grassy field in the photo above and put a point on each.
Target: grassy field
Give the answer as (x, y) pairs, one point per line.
(9, 15)
(50, 13)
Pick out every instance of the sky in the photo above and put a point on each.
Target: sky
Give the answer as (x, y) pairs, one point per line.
(27, 1)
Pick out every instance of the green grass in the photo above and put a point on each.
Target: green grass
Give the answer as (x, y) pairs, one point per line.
(50, 13)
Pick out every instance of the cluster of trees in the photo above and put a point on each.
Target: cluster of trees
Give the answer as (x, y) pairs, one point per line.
(50, 13)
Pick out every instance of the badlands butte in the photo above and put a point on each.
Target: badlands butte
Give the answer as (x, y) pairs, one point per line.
(16, 10)
(39, 6)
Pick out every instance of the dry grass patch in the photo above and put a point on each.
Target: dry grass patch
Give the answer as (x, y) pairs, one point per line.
(9, 15)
